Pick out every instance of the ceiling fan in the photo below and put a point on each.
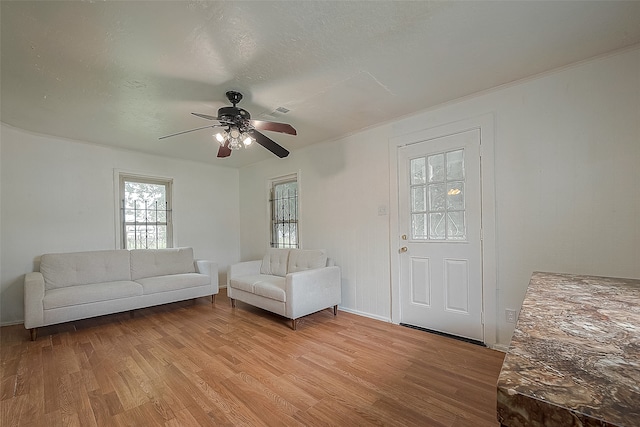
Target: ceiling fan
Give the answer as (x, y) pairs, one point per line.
(240, 130)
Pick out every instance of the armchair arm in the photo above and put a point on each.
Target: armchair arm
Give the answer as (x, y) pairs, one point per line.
(210, 268)
(33, 300)
(312, 290)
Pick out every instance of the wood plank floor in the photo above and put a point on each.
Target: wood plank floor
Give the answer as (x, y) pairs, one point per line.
(195, 364)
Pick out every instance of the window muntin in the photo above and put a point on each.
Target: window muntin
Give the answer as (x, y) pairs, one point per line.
(437, 192)
(284, 213)
(145, 214)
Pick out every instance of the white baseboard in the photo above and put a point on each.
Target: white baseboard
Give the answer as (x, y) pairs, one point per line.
(363, 314)
(15, 322)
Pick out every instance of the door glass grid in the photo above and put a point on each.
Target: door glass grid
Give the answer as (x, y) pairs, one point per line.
(438, 197)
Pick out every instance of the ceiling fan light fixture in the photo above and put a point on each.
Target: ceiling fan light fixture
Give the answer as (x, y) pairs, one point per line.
(221, 137)
(234, 139)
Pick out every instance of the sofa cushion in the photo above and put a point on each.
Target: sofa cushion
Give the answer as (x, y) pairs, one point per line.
(161, 262)
(83, 294)
(81, 268)
(261, 284)
(173, 282)
(306, 259)
(274, 289)
(275, 262)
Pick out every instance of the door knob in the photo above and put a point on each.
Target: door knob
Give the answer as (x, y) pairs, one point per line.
(403, 249)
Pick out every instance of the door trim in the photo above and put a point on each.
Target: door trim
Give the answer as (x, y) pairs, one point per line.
(486, 124)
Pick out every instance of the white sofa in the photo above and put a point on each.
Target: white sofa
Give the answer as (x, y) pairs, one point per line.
(290, 282)
(72, 286)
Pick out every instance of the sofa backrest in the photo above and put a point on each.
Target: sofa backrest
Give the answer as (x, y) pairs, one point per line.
(279, 262)
(161, 262)
(275, 262)
(81, 268)
(306, 259)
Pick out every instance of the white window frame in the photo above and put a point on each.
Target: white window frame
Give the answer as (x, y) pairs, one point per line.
(119, 179)
(270, 187)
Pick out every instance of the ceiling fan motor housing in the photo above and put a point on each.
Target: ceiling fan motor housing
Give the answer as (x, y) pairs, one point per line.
(235, 116)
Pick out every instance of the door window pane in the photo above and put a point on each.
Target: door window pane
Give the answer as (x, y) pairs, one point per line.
(418, 172)
(455, 195)
(436, 226)
(436, 168)
(455, 165)
(419, 226)
(436, 197)
(456, 229)
(418, 199)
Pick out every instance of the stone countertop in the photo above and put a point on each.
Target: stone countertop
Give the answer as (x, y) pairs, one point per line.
(574, 359)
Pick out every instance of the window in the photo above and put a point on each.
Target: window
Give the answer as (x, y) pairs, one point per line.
(145, 213)
(437, 197)
(284, 212)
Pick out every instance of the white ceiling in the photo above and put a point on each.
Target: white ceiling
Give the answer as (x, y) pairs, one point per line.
(125, 73)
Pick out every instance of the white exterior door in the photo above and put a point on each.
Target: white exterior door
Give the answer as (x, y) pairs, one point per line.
(439, 218)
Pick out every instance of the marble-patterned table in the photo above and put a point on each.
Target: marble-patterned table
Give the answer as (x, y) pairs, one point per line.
(574, 359)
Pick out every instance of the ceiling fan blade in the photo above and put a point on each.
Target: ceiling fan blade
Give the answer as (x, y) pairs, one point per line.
(205, 116)
(187, 131)
(269, 144)
(274, 127)
(224, 150)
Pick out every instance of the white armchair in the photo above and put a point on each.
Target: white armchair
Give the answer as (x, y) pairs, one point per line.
(290, 282)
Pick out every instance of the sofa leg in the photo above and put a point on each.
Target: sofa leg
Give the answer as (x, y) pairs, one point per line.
(213, 299)
(233, 302)
(294, 324)
(34, 333)
(335, 310)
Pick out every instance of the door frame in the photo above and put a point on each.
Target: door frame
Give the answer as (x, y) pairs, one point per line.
(486, 124)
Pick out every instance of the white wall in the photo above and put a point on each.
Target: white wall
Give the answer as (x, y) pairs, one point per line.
(567, 155)
(58, 196)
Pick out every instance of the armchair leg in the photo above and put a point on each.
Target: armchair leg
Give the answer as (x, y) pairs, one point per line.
(294, 324)
(233, 302)
(34, 333)
(335, 310)
(213, 299)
